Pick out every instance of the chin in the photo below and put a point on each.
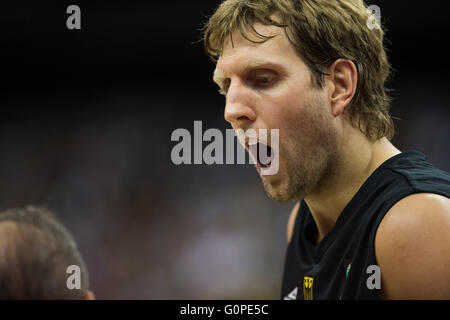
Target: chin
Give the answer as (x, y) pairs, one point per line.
(279, 191)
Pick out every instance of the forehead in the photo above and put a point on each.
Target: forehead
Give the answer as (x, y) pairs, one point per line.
(241, 53)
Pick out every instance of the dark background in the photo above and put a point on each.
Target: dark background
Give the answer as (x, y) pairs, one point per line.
(85, 125)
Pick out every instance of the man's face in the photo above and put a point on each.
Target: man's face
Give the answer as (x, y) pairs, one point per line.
(268, 86)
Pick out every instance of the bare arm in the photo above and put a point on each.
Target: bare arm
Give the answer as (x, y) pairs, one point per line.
(413, 248)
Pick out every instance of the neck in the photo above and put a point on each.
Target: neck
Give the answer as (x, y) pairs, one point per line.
(359, 159)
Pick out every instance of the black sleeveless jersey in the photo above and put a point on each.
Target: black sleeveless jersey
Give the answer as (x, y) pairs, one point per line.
(343, 265)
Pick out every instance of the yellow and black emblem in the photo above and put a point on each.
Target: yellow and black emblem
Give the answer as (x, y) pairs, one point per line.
(308, 283)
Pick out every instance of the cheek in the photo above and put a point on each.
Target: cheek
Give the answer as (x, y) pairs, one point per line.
(291, 116)
(281, 111)
(305, 122)
(299, 112)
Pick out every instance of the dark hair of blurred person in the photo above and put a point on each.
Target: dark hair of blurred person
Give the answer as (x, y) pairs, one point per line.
(35, 252)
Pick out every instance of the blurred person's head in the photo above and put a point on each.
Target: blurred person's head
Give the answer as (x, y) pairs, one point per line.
(312, 69)
(35, 253)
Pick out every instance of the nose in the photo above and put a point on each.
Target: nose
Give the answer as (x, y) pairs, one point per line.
(239, 110)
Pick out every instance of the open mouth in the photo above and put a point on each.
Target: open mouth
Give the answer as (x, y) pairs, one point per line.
(262, 154)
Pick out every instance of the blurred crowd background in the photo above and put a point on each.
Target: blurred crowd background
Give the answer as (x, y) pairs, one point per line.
(85, 124)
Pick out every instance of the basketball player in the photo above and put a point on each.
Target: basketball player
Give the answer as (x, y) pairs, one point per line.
(371, 222)
(35, 253)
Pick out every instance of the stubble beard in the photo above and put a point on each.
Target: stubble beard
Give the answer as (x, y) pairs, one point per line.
(310, 158)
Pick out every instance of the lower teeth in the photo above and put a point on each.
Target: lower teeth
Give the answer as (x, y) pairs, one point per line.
(265, 165)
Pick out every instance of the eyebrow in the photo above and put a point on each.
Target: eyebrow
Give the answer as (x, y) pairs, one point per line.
(219, 76)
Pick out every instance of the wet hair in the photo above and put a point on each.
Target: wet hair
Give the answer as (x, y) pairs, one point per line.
(321, 31)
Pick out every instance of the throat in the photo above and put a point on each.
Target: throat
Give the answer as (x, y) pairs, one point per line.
(314, 235)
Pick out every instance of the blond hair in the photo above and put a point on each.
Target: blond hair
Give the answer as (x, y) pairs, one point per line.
(322, 31)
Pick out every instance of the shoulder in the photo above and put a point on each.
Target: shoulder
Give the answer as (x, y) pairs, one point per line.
(291, 222)
(413, 248)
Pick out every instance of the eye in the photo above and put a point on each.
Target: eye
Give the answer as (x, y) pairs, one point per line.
(264, 78)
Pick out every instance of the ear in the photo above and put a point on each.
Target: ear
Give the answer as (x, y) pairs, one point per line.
(89, 295)
(344, 78)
